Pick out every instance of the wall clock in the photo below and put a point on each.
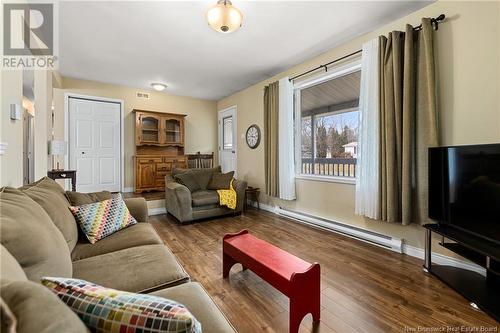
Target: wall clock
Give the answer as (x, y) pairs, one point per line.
(253, 136)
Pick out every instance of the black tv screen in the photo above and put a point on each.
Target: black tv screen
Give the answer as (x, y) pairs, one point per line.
(464, 188)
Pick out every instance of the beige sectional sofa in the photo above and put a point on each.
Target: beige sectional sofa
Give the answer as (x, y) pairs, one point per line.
(40, 239)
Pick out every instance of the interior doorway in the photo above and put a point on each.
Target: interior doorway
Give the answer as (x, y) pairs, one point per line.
(28, 104)
(28, 145)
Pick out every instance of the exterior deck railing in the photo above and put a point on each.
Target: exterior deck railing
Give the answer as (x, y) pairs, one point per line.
(341, 167)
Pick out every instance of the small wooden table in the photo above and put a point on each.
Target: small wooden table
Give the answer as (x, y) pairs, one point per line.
(252, 194)
(294, 277)
(64, 174)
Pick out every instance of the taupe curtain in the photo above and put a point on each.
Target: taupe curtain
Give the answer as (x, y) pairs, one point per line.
(271, 144)
(408, 122)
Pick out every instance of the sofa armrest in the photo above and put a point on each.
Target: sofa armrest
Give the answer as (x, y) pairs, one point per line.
(178, 200)
(138, 208)
(239, 186)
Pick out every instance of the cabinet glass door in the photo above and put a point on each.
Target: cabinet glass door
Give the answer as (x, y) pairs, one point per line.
(150, 129)
(173, 133)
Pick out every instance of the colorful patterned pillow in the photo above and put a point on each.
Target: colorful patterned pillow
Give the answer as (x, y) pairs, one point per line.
(108, 310)
(101, 219)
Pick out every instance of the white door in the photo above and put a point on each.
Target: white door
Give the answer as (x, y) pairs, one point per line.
(94, 144)
(227, 139)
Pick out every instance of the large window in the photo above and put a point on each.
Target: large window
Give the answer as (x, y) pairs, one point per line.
(327, 138)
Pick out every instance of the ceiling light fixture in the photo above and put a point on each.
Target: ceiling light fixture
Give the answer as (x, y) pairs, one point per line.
(158, 86)
(224, 17)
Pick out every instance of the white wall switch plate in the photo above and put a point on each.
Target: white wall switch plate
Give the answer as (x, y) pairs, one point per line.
(3, 147)
(15, 112)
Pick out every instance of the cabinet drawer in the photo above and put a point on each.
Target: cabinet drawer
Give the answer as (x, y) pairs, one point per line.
(174, 160)
(160, 182)
(163, 167)
(143, 160)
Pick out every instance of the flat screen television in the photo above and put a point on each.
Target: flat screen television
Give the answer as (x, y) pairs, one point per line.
(464, 188)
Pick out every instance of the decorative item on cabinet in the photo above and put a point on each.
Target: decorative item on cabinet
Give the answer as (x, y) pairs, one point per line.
(159, 147)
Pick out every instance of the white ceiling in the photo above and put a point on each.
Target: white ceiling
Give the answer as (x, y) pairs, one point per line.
(137, 43)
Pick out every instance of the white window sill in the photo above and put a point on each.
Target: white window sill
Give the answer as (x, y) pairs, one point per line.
(328, 179)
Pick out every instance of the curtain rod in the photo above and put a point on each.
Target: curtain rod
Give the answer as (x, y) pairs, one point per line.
(434, 22)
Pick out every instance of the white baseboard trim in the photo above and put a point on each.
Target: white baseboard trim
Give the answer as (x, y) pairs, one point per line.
(441, 259)
(128, 189)
(157, 211)
(412, 251)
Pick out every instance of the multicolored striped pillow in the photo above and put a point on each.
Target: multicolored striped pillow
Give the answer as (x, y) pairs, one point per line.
(101, 219)
(107, 310)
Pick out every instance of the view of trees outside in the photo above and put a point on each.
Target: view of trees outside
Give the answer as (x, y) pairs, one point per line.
(306, 137)
(332, 133)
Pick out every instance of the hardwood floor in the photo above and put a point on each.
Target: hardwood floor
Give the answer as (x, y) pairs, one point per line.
(364, 288)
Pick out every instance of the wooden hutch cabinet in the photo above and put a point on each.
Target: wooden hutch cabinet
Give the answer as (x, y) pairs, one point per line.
(159, 146)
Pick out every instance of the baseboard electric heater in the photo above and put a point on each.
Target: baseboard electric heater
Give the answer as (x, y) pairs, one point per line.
(388, 242)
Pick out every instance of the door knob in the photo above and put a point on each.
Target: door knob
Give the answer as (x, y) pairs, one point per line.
(83, 153)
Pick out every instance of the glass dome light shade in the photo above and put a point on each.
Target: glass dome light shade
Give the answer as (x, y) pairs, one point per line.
(224, 17)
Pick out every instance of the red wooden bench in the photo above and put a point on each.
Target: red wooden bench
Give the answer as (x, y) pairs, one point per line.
(294, 277)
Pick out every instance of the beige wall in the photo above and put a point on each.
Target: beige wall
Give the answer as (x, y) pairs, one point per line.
(201, 120)
(11, 130)
(43, 115)
(468, 57)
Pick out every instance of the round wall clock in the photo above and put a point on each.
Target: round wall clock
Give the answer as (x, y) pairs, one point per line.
(253, 136)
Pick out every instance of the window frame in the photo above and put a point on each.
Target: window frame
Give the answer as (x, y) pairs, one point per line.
(331, 74)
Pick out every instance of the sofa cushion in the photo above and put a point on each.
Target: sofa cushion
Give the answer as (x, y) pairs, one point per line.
(37, 309)
(110, 310)
(9, 267)
(204, 198)
(202, 176)
(136, 269)
(78, 199)
(135, 235)
(98, 220)
(176, 171)
(196, 299)
(51, 196)
(188, 179)
(8, 321)
(220, 181)
(30, 236)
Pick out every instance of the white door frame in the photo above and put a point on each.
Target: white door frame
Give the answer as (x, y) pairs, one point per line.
(69, 95)
(235, 137)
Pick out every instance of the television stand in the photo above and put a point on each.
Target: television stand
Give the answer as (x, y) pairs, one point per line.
(481, 290)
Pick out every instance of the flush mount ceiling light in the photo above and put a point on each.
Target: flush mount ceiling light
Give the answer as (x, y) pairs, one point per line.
(224, 17)
(158, 86)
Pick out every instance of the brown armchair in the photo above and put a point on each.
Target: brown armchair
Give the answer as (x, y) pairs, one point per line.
(204, 203)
